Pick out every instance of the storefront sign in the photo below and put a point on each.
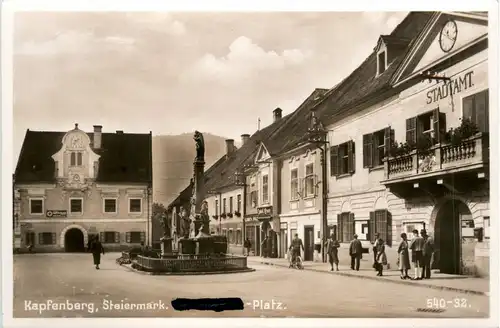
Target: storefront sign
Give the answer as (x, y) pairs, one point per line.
(56, 214)
(451, 87)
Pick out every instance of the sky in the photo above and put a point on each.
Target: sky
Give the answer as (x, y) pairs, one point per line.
(173, 72)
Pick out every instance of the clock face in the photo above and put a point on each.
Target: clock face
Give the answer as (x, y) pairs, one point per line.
(448, 36)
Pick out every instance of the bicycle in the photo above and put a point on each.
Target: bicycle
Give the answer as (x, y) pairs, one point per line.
(298, 263)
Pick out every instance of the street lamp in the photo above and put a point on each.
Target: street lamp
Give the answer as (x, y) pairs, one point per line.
(317, 135)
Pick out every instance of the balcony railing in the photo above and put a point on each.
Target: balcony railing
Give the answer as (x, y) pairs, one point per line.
(470, 153)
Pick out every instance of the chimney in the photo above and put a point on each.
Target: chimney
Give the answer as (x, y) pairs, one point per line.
(229, 147)
(277, 114)
(119, 131)
(244, 138)
(97, 136)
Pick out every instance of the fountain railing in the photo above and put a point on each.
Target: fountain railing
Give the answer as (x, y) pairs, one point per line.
(192, 263)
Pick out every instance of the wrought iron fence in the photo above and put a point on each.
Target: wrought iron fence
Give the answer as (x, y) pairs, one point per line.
(192, 263)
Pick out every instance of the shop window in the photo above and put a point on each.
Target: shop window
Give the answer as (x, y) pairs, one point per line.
(294, 184)
(381, 223)
(342, 159)
(476, 109)
(346, 226)
(46, 238)
(431, 125)
(376, 146)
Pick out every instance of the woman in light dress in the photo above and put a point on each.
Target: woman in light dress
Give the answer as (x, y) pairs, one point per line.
(404, 257)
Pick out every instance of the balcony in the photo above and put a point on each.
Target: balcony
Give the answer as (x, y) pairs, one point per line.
(471, 155)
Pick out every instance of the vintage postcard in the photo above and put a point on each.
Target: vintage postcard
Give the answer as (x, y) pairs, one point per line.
(189, 164)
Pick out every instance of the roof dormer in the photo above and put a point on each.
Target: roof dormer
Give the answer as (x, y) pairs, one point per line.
(388, 47)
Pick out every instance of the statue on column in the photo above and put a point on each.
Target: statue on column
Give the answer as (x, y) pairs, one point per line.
(200, 146)
(185, 223)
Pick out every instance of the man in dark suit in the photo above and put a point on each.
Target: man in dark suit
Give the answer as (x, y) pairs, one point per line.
(427, 252)
(356, 253)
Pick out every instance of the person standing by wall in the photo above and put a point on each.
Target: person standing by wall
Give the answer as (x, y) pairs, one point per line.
(417, 247)
(379, 253)
(332, 249)
(356, 253)
(427, 252)
(404, 257)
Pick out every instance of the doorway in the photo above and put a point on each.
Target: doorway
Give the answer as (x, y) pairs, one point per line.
(73, 241)
(308, 243)
(448, 236)
(257, 241)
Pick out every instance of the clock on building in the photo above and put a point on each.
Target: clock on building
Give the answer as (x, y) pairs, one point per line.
(448, 35)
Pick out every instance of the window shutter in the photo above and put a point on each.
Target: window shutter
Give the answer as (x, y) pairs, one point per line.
(388, 140)
(439, 120)
(353, 224)
(53, 241)
(143, 236)
(334, 152)
(411, 130)
(316, 185)
(127, 237)
(101, 237)
(367, 150)
(482, 111)
(351, 166)
(375, 152)
(117, 237)
(40, 238)
(340, 228)
(371, 227)
(389, 228)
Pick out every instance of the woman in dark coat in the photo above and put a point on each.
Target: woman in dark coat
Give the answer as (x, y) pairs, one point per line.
(97, 250)
(379, 254)
(404, 257)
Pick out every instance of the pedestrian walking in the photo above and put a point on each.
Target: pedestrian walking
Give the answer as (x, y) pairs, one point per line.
(332, 249)
(427, 253)
(417, 247)
(404, 257)
(380, 256)
(264, 245)
(247, 245)
(356, 253)
(97, 250)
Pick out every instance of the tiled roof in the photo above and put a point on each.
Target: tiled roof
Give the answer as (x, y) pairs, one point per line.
(125, 157)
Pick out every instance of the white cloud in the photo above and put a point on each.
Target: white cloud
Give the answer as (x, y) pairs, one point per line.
(158, 22)
(72, 42)
(245, 59)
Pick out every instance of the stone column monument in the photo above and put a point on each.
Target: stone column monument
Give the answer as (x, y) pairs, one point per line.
(200, 220)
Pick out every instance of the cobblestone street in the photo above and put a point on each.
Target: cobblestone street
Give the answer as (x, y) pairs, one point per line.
(72, 278)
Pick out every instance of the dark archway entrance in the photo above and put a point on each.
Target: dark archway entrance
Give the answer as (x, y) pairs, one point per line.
(73, 240)
(448, 236)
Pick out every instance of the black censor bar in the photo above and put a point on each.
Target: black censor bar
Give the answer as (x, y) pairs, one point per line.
(208, 304)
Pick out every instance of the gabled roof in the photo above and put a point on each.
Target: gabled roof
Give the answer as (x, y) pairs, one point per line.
(363, 83)
(125, 158)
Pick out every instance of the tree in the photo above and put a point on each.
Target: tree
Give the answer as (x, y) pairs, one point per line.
(160, 214)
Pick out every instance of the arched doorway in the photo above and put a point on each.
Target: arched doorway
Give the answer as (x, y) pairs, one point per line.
(74, 240)
(448, 235)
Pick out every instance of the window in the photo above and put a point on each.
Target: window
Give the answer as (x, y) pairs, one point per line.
(346, 226)
(430, 125)
(238, 203)
(381, 223)
(135, 205)
(230, 237)
(46, 238)
(76, 205)
(36, 205)
(265, 189)
(310, 181)
(231, 204)
(381, 59)
(238, 237)
(135, 237)
(253, 198)
(476, 109)
(342, 159)
(110, 237)
(110, 205)
(76, 159)
(224, 206)
(294, 184)
(486, 224)
(30, 238)
(216, 207)
(375, 147)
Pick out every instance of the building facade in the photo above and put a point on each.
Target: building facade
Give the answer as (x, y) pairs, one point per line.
(417, 157)
(74, 184)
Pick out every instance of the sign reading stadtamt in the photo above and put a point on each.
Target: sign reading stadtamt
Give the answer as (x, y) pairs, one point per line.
(56, 213)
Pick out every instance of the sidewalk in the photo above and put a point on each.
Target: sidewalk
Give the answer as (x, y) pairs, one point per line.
(463, 284)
